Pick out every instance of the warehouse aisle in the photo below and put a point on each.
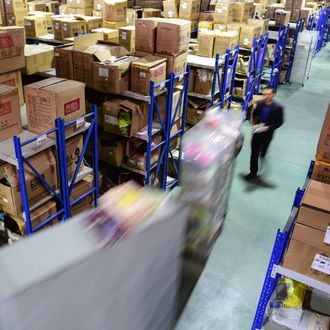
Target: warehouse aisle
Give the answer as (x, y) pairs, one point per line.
(227, 293)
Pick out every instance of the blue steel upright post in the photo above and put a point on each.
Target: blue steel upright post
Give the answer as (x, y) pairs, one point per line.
(95, 157)
(215, 80)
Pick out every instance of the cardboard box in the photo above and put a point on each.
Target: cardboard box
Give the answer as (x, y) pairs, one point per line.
(299, 258)
(196, 110)
(53, 7)
(127, 38)
(3, 18)
(74, 148)
(271, 9)
(79, 189)
(295, 15)
(38, 58)
(282, 17)
(170, 9)
(114, 10)
(48, 17)
(156, 4)
(91, 22)
(132, 15)
(73, 27)
(264, 23)
(259, 10)
(235, 27)
(162, 107)
(224, 12)
(14, 79)
(57, 27)
(12, 51)
(242, 11)
(240, 87)
(220, 27)
(173, 36)
(248, 33)
(125, 117)
(36, 6)
(205, 26)
(10, 115)
(88, 11)
(112, 152)
(114, 25)
(176, 64)
(151, 12)
(310, 236)
(35, 26)
(136, 152)
(288, 4)
(206, 43)
(315, 207)
(323, 147)
(53, 98)
(98, 5)
(206, 16)
(321, 172)
(145, 35)
(110, 35)
(63, 56)
(16, 7)
(189, 9)
(306, 13)
(145, 70)
(224, 41)
(10, 197)
(63, 9)
(298, 4)
(82, 4)
(113, 77)
(16, 20)
(203, 81)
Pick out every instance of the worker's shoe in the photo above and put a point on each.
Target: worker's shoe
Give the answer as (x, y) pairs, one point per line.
(250, 176)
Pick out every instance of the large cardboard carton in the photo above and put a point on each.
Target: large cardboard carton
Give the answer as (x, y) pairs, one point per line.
(17, 19)
(10, 197)
(112, 151)
(151, 12)
(173, 36)
(57, 27)
(114, 25)
(321, 172)
(38, 58)
(125, 117)
(16, 7)
(145, 35)
(189, 9)
(206, 43)
(282, 17)
(259, 10)
(110, 35)
(63, 56)
(35, 26)
(92, 23)
(48, 17)
(36, 6)
(127, 38)
(115, 10)
(79, 189)
(53, 98)
(74, 148)
(299, 258)
(242, 11)
(264, 23)
(113, 77)
(170, 9)
(224, 12)
(248, 33)
(315, 206)
(306, 13)
(205, 26)
(14, 79)
(145, 70)
(295, 14)
(206, 16)
(10, 115)
(323, 147)
(73, 27)
(224, 41)
(176, 64)
(12, 49)
(203, 81)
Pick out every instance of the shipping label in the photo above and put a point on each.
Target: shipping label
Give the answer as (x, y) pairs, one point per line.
(321, 264)
(5, 108)
(103, 72)
(111, 120)
(71, 106)
(326, 239)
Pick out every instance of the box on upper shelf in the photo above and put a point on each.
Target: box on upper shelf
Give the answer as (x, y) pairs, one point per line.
(114, 10)
(176, 64)
(242, 11)
(205, 26)
(35, 26)
(36, 6)
(264, 23)
(63, 56)
(282, 17)
(127, 38)
(151, 12)
(48, 16)
(224, 41)
(145, 34)
(110, 35)
(248, 33)
(170, 9)
(271, 9)
(224, 12)
(53, 98)
(74, 147)
(189, 9)
(14, 79)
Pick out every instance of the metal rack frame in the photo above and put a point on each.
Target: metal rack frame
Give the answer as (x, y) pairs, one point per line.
(321, 26)
(63, 194)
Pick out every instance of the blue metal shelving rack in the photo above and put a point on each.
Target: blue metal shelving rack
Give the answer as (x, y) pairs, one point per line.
(261, 45)
(299, 27)
(63, 194)
(280, 245)
(321, 26)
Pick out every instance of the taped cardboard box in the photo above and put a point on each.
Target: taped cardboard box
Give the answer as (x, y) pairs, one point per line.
(264, 23)
(38, 58)
(242, 11)
(282, 17)
(53, 98)
(14, 79)
(63, 56)
(125, 118)
(79, 189)
(173, 36)
(73, 27)
(151, 12)
(16, 20)
(271, 9)
(206, 43)
(224, 41)
(145, 34)
(315, 206)
(112, 151)
(224, 12)
(109, 35)
(189, 9)
(248, 33)
(203, 81)
(176, 64)
(299, 258)
(127, 38)
(136, 152)
(114, 25)
(113, 77)
(35, 26)
(10, 197)
(114, 10)
(145, 70)
(170, 9)
(12, 51)
(10, 115)
(321, 172)
(323, 147)
(36, 6)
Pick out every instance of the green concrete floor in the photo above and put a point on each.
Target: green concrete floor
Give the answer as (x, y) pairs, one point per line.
(228, 290)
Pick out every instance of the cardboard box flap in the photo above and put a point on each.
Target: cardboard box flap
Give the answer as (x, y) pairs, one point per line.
(124, 63)
(45, 83)
(80, 43)
(129, 106)
(64, 86)
(6, 89)
(317, 196)
(30, 50)
(129, 27)
(197, 103)
(149, 61)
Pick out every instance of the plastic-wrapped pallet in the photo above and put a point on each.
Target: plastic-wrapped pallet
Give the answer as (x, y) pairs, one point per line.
(209, 149)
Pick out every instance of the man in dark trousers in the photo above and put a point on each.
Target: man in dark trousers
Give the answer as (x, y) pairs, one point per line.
(266, 118)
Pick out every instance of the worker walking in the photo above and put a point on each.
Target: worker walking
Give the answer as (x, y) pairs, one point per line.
(266, 118)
